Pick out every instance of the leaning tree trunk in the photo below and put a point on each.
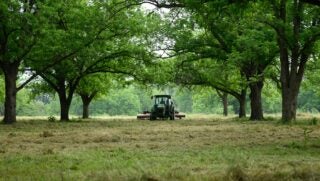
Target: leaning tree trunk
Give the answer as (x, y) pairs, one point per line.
(242, 103)
(256, 101)
(10, 75)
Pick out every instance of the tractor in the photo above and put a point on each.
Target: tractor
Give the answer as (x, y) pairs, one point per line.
(163, 107)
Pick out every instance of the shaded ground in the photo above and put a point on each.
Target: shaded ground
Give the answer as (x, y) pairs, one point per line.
(198, 148)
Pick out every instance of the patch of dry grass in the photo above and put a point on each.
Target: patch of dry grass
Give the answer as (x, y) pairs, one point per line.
(122, 148)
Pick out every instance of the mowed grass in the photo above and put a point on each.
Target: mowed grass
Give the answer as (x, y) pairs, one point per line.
(196, 148)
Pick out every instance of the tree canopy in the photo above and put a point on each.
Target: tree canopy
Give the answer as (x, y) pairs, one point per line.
(234, 48)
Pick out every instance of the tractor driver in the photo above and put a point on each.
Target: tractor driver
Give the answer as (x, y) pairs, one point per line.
(162, 101)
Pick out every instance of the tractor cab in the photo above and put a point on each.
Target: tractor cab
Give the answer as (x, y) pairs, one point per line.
(162, 100)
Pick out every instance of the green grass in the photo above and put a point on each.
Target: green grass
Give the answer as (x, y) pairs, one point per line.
(197, 148)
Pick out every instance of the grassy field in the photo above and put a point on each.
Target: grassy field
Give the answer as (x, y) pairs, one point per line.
(196, 148)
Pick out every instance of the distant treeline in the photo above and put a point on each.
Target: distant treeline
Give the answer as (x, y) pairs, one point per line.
(132, 100)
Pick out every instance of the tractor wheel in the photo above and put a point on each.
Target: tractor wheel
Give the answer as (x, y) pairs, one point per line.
(172, 116)
(152, 117)
(172, 113)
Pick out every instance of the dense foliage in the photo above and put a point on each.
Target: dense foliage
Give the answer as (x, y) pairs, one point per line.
(212, 56)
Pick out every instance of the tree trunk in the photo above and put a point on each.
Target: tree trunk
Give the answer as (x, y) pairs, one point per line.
(86, 100)
(85, 106)
(65, 93)
(64, 106)
(224, 98)
(292, 66)
(255, 100)
(289, 105)
(85, 110)
(242, 103)
(11, 75)
(225, 104)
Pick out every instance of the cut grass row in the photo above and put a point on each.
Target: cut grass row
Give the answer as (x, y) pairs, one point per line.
(204, 148)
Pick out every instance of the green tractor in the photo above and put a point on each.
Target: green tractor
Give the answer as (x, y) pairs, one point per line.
(163, 107)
